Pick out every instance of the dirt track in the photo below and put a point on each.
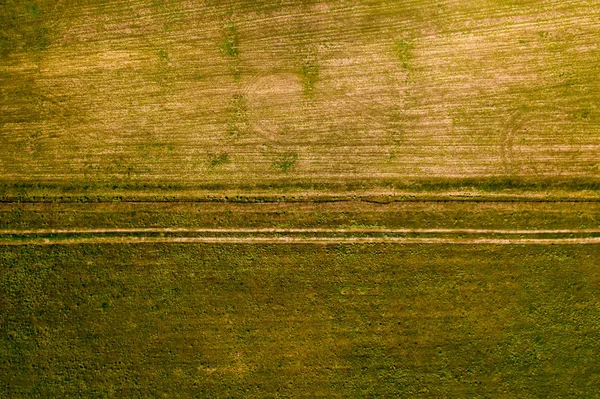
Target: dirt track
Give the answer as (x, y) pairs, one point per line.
(478, 236)
(296, 230)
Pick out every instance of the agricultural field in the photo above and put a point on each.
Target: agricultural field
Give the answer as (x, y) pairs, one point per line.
(290, 198)
(166, 93)
(373, 320)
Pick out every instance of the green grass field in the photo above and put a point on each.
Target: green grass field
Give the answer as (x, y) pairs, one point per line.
(332, 321)
(289, 198)
(351, 214)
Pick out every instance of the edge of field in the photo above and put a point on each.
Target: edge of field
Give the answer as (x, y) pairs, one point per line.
(306, 196)
(491, 189)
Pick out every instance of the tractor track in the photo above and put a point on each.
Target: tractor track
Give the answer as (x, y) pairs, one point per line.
(302, 236)
(294, 230)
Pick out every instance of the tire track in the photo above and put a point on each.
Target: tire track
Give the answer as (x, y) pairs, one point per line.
(308, 240)
(286, 236)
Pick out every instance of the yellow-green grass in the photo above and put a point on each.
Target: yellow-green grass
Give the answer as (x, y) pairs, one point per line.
(236, 94)
(160, 320)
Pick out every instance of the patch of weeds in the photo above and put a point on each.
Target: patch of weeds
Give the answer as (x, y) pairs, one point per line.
(582, 114)
(404, 50)
(163, 55)
(309, 70)
(286, 161)
(215, 160)
(238, 122)
(229, 47)
(233, 130)
(230, 44)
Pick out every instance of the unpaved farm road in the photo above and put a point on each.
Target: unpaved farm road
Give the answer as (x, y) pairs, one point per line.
(286, 236)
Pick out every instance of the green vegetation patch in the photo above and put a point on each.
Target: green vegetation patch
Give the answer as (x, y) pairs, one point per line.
(264, 321)
(230, 44)
(238, 118)
(215, 160)
(229, 47)
(404, 49)
(286, 161)
(309, 70)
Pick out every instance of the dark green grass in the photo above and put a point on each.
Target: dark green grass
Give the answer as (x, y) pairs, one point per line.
(263, 321)
(85, 191)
